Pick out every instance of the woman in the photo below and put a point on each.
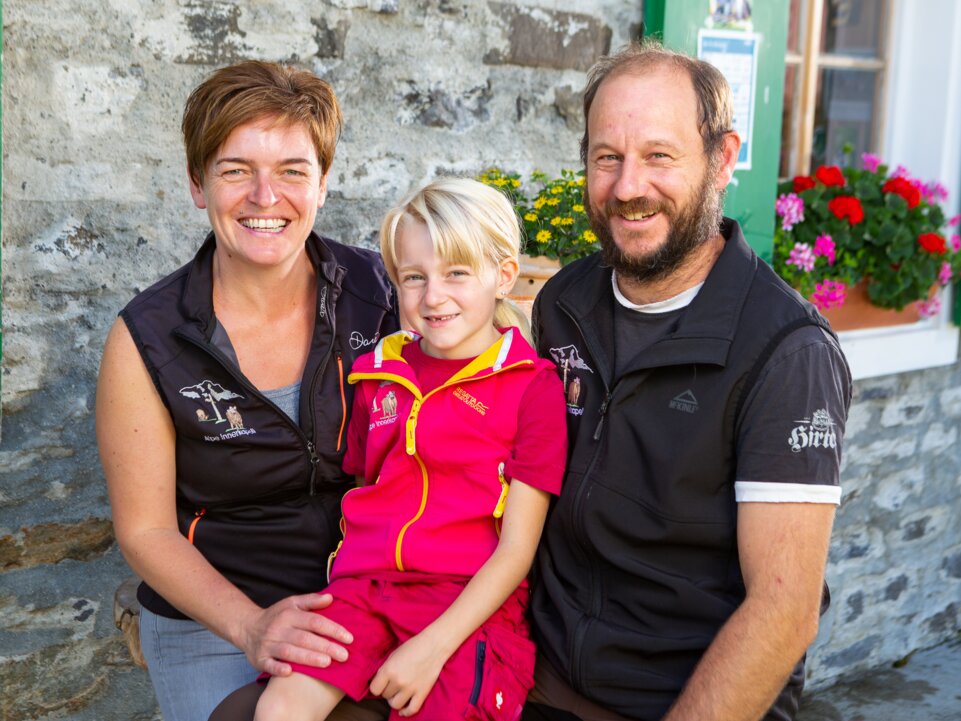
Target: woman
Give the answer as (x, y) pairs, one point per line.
(222, 398)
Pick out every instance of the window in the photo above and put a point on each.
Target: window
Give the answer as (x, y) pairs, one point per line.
(834, 81)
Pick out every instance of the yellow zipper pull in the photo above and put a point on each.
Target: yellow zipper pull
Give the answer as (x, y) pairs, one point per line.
(411, 434)
(505, 486)
(331, 557)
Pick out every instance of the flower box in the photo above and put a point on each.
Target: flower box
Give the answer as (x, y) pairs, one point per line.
(863, 233)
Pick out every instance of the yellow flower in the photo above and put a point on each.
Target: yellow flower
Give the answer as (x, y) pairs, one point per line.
(539, 203)
(580, 181)
(543, 236)
(500, 182)
(554, 201)
(578, 208)
(515, 183)
(589, 236)
(567, 221)
(530, 217)
(557, 189)
(556, 220)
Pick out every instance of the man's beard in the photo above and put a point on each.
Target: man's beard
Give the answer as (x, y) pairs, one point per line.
(688, 230)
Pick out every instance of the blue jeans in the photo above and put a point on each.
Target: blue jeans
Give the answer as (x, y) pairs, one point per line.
(191, 669)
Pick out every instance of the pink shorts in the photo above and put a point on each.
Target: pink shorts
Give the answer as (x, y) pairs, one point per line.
(486, 679)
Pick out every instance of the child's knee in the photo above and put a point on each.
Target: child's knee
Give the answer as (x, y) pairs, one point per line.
(296, 698)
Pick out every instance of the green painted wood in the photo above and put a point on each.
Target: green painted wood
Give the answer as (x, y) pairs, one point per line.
(750, 199)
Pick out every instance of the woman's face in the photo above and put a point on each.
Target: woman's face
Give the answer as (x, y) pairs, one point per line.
(261, 190)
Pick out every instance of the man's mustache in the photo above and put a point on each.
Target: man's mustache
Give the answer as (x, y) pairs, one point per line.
(634, 206)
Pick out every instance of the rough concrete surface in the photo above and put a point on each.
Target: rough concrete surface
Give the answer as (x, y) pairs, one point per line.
(922, 687)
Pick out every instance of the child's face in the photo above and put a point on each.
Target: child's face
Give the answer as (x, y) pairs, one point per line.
(451, 306)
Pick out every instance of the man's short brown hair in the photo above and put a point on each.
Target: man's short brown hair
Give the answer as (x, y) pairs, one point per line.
(254, 90)
(714, 103)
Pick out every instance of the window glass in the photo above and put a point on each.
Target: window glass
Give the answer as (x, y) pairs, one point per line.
(845, 113)
(832, 88)
(852, 28)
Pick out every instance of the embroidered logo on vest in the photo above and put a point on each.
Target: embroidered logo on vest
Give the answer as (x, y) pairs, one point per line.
(462, 395)
(322, 302)
(569, 355)
(685, 402)
(213, 394)
(387, 409)
(357, 341)
(814, 432)
(568, 360)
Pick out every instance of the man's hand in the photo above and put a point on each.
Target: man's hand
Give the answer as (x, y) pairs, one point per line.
(289, 632)
(409, 674)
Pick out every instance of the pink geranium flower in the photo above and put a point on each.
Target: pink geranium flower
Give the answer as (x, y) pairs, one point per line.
(929, 308)
(870, 162)
(935, 192)
(802, 256)
(824, 246)
(829, 294)
(945, 274)
(791, 209)
(956, 243)
(901, 172)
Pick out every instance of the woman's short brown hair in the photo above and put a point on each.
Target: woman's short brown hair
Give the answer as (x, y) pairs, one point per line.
(714, 103)
(251, 91)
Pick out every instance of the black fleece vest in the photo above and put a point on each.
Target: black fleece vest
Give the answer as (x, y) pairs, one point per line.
(638, 566)
(257, 494)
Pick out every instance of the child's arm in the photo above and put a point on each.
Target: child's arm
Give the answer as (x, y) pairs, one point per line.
(409, 674)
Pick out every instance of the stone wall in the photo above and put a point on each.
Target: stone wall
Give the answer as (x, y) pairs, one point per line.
(95, 208)
(895, 563)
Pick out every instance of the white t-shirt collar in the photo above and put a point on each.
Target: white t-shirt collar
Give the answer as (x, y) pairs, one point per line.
(681, 300)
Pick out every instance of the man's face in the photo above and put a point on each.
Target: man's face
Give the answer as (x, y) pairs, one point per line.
(651, 194)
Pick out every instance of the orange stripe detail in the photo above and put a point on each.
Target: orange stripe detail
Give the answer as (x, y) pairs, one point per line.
(343, 401)
(193, 526)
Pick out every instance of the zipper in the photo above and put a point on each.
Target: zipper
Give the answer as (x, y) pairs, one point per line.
(602, 412)
(312, 458)
(314, 461)
(410, 434)
(193, 524)
(343, 399)
(480, 654)
(576, 517)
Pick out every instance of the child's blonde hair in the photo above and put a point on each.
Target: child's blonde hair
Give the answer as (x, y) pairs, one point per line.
(469, 223)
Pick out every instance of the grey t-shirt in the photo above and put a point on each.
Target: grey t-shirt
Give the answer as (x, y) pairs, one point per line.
(286, 398)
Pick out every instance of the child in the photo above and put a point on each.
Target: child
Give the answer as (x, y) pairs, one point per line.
(430, 575)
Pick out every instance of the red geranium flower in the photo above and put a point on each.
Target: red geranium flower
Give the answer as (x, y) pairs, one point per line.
(830, 175)
(847, 206)
(933, 243)
(904, 188)
(802, 183)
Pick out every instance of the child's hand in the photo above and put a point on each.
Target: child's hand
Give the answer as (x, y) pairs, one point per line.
(409, 674)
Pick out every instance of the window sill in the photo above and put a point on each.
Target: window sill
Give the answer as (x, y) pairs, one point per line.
(881, 351)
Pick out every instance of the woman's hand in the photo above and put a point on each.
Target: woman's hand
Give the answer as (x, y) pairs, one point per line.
(290, 632)
(409, 674)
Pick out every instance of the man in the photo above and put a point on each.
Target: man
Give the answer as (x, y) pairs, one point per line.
(681, 571)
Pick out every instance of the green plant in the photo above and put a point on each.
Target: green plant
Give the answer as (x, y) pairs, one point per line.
(554, 222)
(843, 226)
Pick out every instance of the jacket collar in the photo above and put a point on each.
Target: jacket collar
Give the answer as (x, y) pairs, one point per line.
(197, 298)
(705, 331)
(387, 357)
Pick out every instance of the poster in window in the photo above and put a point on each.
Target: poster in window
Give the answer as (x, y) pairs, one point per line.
(734, 53)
